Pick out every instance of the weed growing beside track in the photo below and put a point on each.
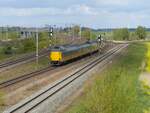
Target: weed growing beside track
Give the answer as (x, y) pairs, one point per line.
(148, 58)
(145, 77)
(117, 89)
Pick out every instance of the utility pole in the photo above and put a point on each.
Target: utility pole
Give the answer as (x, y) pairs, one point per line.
(6, 32)
(2, 33)
(80, 32)
(70, 33)
(73, 31)
(55, 34)
(90, 34)
(37, 46)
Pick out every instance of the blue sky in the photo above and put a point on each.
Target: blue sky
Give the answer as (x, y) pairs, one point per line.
(92, 13)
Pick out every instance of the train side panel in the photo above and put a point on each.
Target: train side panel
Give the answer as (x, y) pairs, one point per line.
(79, 52)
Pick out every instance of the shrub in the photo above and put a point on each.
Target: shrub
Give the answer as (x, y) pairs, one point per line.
(8, 49)
(141, 32)
(86, 33)
(29, 45)
(76, 30)
(121, 34)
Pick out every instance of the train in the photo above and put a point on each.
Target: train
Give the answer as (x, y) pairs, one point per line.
(65, 53)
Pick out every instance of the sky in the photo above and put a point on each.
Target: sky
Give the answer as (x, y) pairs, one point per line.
(90, 13)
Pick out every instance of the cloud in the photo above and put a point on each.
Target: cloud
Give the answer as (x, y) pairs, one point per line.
(113, 2)
(122, 5)
(99, 13)
(73, 10)
(82, 9)
(125, 19)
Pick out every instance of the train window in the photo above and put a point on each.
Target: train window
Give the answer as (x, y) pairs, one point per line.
(59, 48)
(56, 47)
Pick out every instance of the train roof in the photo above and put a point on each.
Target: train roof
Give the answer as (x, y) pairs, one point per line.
(72, 47)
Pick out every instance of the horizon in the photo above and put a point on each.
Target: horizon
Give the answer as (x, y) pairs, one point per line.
(44, 26)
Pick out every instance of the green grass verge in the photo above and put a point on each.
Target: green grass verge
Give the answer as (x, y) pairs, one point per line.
(118, 89)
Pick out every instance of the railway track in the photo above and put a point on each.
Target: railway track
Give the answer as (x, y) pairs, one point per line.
(21, 78)
(22, 59)
(33, 102)
(24, 77)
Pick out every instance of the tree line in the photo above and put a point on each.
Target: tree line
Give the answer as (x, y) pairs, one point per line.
(124, 34)
(28, 45)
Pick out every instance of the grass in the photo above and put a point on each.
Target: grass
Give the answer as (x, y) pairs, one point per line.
(148, 58)
(118, 89)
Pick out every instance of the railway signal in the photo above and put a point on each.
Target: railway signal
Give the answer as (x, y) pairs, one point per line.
(99, 42)
(100, 39)
(50, 35)
(51, 32)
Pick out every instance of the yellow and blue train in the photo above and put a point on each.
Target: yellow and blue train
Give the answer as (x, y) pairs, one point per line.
(62, 54)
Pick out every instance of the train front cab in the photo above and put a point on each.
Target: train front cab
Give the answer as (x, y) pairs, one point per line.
(55, 57)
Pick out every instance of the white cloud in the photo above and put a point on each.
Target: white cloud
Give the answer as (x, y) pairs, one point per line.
(28, 11)
(73, 10)
(113, 2)
(96, 12)
(126, 3)
(81, 10)
(125, 19)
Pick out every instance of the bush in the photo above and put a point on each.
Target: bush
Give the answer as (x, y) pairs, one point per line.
(121, 34)
(29, 45)
(133, 36)
(86, 33)
(43, 36)
(43, 44)
(8, 49)
(76, 30)
(141, 32)
(19, 48)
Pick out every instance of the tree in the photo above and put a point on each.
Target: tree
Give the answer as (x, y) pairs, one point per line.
(121, 34)
(86, 32)
(133, 36)
(29, 45)
(141, 32)
(76, 30)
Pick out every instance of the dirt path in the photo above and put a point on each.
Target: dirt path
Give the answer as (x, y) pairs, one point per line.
(145, 77)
